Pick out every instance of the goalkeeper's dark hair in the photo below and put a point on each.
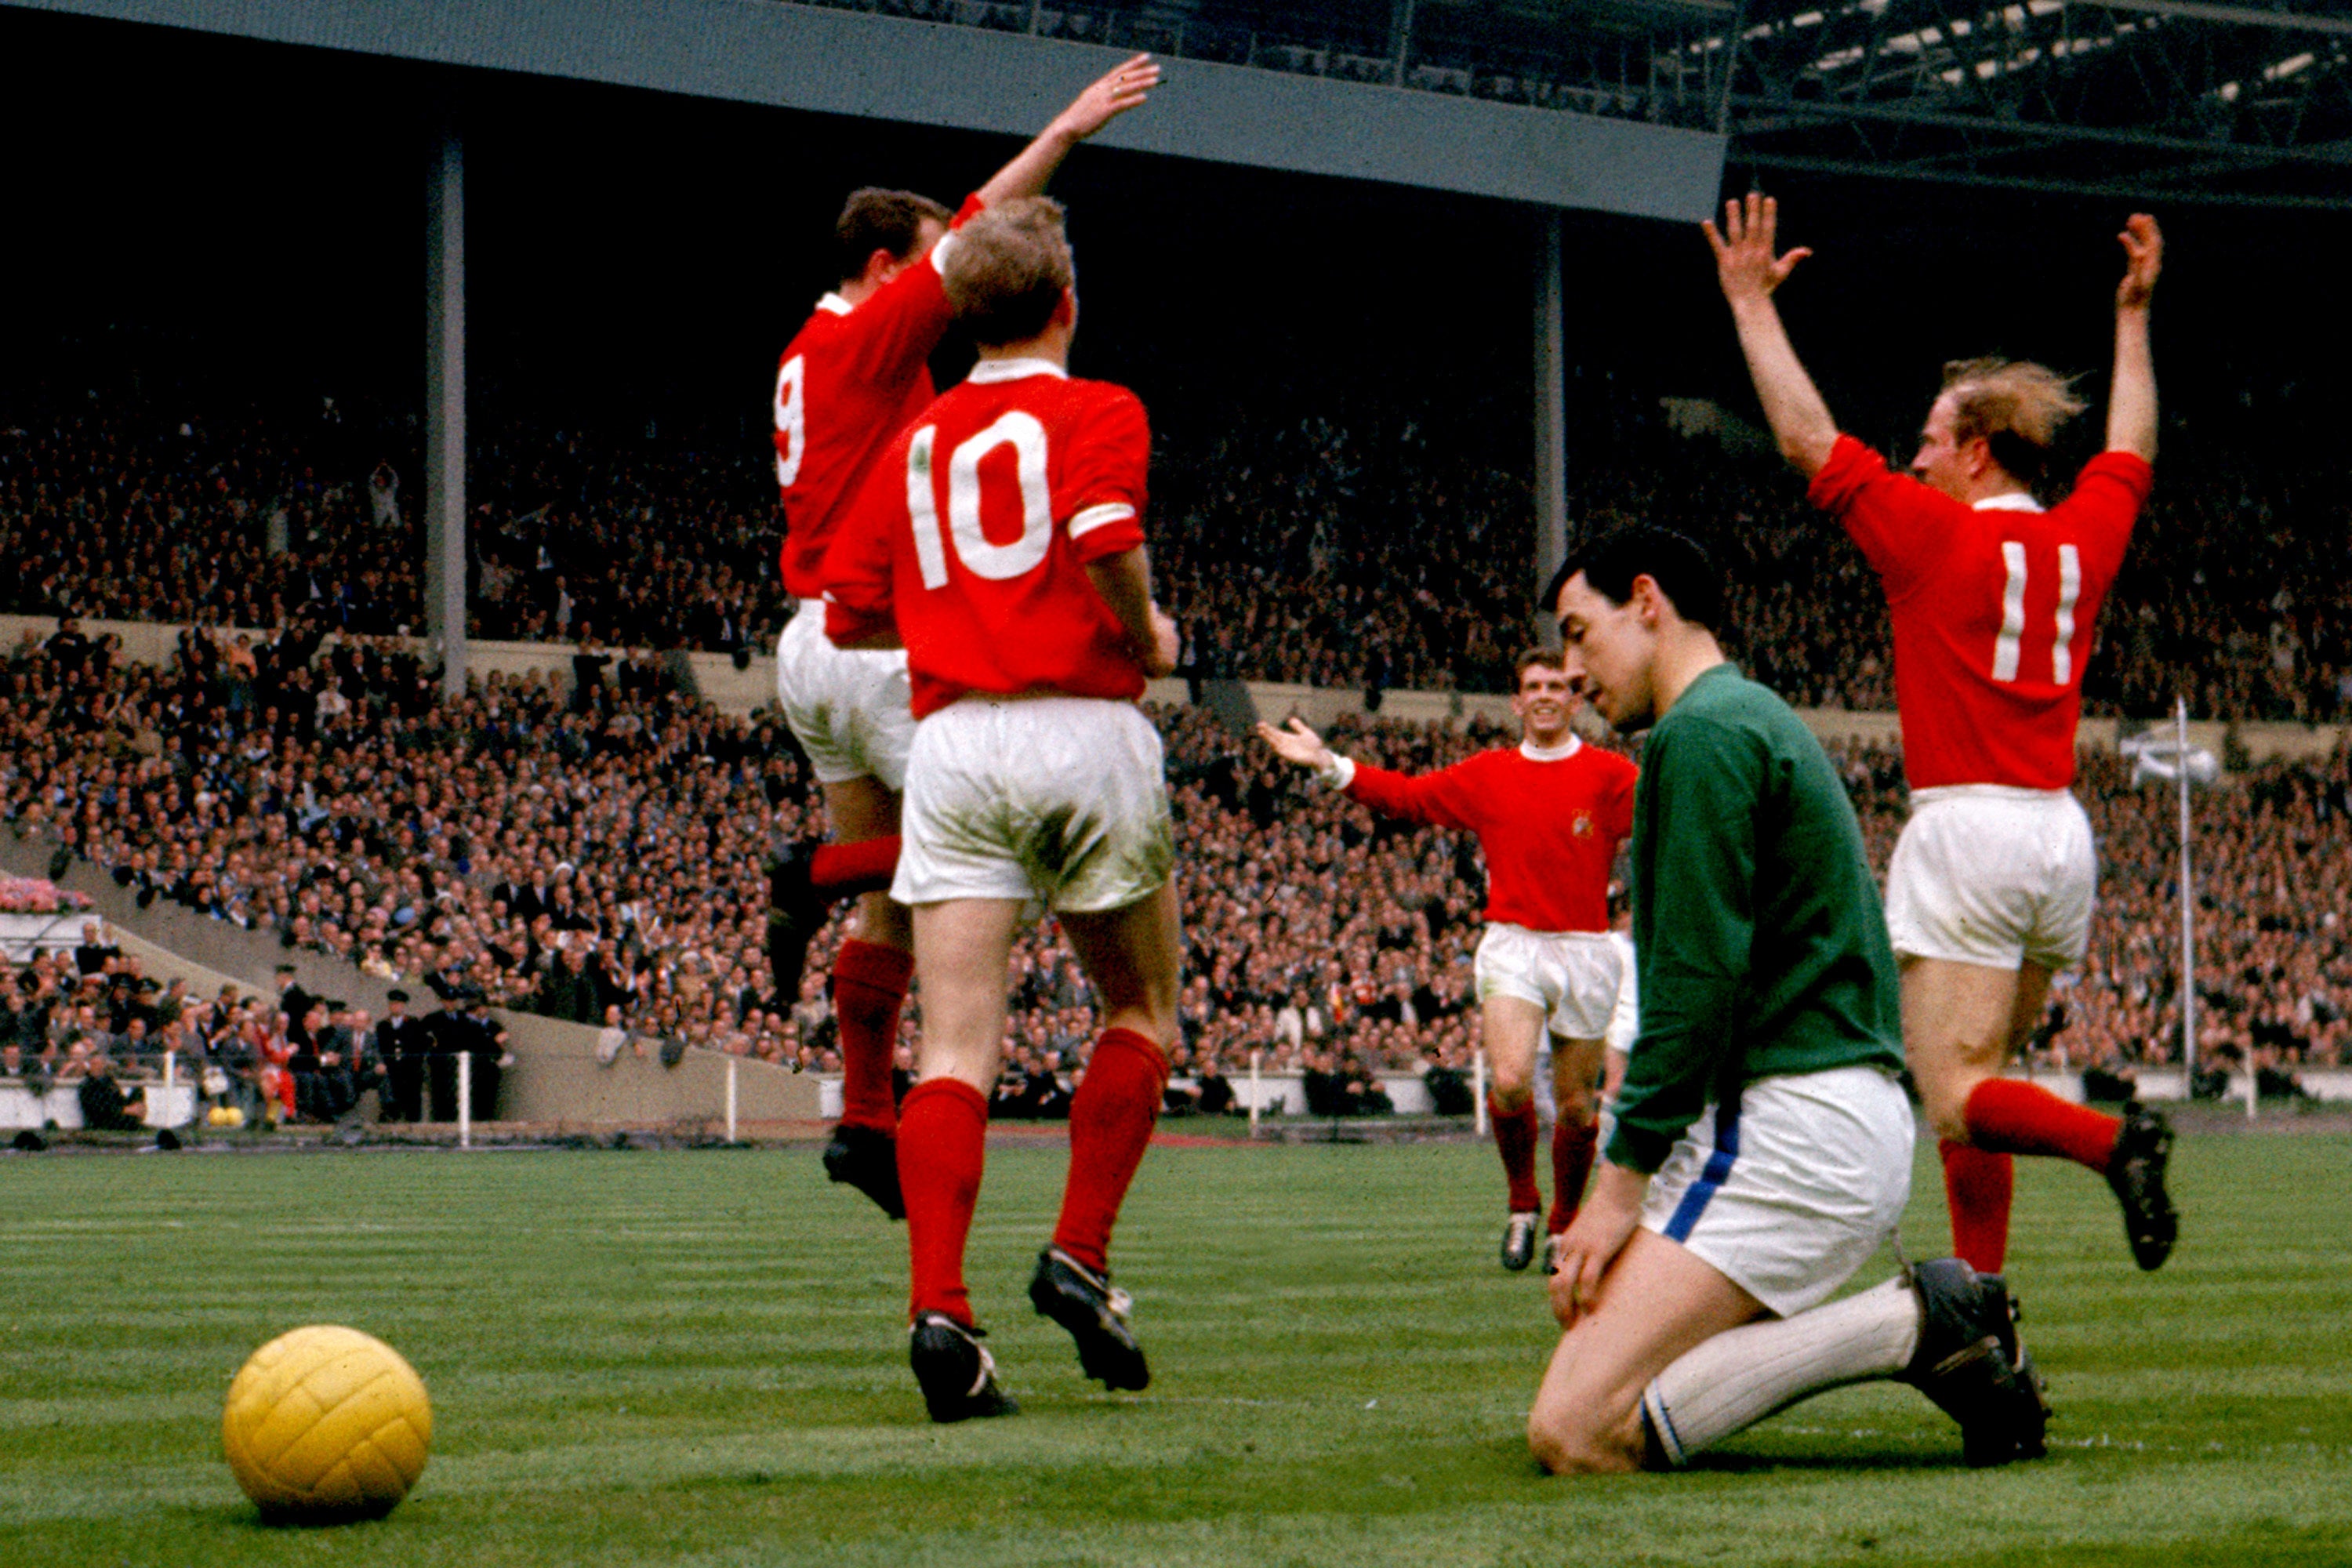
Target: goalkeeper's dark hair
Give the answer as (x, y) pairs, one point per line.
(1677, 563)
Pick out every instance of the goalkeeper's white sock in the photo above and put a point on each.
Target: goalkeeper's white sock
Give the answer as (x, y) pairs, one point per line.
(1739, 1378)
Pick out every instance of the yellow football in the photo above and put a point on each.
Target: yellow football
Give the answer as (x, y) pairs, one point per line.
(326, 1425)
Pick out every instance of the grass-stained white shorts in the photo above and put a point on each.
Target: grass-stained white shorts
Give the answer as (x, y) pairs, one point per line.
(1791, 1190)
(1574, 977)
(1063, 799)
(1991, 875)
(849, 708)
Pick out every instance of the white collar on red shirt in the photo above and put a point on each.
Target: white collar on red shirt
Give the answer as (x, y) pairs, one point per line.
(1558, 753)
(990, 370)
(834, 305)
(2015, 500)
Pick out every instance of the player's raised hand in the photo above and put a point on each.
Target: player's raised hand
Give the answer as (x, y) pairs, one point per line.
(1112, 96)
(1746, 263)
(2143, 259)
(1297, 743)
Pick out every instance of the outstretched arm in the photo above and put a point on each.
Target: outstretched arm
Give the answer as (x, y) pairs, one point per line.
(1749, 271)
(1092, 110)
(2131, 407)
(1298, 745)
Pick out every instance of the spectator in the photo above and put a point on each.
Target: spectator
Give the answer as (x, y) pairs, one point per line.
(105, 1107)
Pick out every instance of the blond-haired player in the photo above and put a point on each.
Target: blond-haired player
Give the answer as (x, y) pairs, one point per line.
(1994, 598)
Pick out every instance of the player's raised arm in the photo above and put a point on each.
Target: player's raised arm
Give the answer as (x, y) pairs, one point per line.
(1750, 269)
(2131, 407)
(1113, 95)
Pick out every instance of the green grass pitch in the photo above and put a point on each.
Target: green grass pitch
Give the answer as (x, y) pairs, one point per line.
(697, 1358)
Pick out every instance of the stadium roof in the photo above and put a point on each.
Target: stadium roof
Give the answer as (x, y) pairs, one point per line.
(2155, 100)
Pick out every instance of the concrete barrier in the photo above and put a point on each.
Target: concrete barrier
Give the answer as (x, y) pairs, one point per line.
(714, 677)
(60, 1106)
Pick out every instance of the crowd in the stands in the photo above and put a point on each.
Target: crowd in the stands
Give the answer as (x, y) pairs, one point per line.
(1383, 550)
(596, 852)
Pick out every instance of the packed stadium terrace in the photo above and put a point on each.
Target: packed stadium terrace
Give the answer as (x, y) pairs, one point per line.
(1376, 549)
(569, 853)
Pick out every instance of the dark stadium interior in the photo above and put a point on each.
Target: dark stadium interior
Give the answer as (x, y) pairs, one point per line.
(226, 235)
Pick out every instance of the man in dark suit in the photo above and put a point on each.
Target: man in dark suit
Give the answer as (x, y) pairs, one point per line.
(521, 899)
(296, 1004)
(403, 1043)
(486, 1038)
(446, 1032)
(323, 1090)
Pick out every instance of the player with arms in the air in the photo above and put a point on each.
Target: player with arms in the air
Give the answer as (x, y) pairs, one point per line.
(848, 383)
(1994, 600)
(1549, 815)
(1000, 539)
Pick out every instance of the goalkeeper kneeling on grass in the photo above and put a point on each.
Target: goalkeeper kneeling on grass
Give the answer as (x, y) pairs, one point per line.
(1762, 1150)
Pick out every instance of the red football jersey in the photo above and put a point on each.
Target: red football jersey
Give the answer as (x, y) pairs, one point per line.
(974, 533)
(1549, 821)
(854, 377)
(1993, 608)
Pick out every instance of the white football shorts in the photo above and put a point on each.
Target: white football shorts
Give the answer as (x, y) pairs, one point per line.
(849, 707)
(1574, 977)
(1991, 875)
(1625, 1018)
(1791, 1190)
(1063, 799)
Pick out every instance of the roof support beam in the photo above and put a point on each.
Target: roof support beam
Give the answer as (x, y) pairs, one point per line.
(2231, 16)
(2107, 191)
(2331, 153)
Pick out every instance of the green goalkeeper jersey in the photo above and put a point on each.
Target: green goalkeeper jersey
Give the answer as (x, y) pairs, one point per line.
(1761, 945)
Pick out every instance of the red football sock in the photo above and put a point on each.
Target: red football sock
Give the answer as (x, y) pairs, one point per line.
(1514, 1141)
(1976, 1185)
(845, 869)
(2010, 1117)
(1110, 1123)
(1571, 1162)
(869, 982)
(942, 1141)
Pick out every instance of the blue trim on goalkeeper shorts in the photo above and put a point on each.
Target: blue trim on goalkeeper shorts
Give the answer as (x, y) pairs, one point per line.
(1711, 1179)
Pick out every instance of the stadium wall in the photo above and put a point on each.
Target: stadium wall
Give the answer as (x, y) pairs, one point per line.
(715, 678)
(836, 61)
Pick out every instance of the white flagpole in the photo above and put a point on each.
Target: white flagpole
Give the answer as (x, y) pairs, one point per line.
(1256, 1091)
(1478, 1090)
(2188, 908)
(465, 1099)
(732, 1064)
